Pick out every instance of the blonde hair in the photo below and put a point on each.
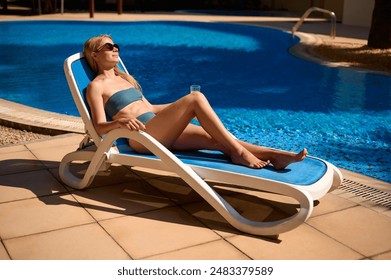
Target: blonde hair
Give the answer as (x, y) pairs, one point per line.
(93, 45)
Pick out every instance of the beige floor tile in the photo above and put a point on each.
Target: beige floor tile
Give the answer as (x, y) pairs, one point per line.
(37, 215)
(58, 141)
(302, 243)
(86, 242)
(132, 197)
(253, 205)
(373, 206)
(114, 175)
(347, 195)
(331, 203)
(215, 250)
(51, 152)
(249, 206)
(157, 232)
(359, 228)
(176, 189)
(210, 217)
(12, 149)
(52, 156)
(28, 185)
(11, 163)
(3, 253)
(384, 256)
(387, 213)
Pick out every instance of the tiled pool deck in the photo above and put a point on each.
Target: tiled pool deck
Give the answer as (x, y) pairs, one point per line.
(145, 214)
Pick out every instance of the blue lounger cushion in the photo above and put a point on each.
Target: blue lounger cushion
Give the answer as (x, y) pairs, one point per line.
(303, 173)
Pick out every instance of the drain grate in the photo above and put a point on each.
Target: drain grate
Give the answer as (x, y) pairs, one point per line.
(369, 193)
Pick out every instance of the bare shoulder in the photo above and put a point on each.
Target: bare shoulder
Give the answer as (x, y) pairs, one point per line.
(95, 86)
(95, 89)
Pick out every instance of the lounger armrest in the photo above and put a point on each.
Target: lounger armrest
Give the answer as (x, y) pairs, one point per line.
(100, 156)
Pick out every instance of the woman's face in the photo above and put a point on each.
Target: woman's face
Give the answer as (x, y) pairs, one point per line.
(107, 52)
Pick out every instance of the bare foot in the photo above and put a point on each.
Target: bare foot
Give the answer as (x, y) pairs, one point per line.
(246, 158)
(282, 159)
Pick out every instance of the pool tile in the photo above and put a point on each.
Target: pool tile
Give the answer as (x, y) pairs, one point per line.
(215, 250)
(156, 232)
(86, 242)
(118, 200)
(302, 243)
(28, 185)
(360, 228)
(42, 214)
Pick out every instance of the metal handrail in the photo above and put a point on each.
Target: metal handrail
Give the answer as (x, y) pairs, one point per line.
(316, 9)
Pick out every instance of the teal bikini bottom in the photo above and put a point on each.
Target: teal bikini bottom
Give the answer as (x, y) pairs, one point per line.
(146, 117)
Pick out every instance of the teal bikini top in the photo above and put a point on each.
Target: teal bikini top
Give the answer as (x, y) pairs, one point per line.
(121, 99)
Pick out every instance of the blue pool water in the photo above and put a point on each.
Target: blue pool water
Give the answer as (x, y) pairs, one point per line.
(261, 92)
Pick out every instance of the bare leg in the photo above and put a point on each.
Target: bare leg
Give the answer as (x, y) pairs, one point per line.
(195, 137)
(171, 122)
(279, 158)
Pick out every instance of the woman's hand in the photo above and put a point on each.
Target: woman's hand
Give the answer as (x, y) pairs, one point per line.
(131, 124)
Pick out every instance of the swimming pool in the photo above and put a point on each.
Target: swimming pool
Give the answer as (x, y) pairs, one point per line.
(261, 92)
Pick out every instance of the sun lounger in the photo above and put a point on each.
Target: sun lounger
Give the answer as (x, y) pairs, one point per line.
(304, 181)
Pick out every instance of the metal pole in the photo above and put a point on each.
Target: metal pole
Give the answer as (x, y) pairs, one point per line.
(5, 5)
(92, 8)
(119, 6)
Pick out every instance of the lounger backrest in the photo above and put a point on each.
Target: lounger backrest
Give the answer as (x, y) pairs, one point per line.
(79, 75)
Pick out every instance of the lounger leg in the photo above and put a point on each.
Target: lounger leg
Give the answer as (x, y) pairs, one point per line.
(337, 178)
(96, 162)
(68, 177)
(242, 223)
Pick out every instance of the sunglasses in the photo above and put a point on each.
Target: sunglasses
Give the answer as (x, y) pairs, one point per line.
(109, 46)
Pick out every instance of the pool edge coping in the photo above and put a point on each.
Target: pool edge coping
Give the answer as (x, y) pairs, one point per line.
(19, 116)
(305, 50)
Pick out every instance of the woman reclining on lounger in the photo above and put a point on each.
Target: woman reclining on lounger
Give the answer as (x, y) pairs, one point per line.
(119, 95)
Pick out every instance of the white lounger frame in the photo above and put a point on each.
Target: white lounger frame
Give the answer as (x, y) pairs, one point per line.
(193, 175)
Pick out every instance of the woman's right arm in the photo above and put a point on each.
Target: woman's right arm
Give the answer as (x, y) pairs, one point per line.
(98, 115)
